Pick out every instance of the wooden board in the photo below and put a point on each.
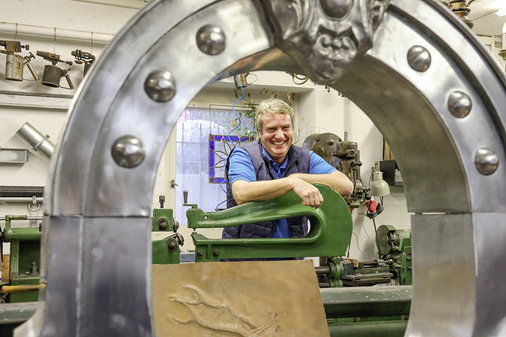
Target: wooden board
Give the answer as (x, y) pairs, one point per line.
(229, 299)
(5, 268)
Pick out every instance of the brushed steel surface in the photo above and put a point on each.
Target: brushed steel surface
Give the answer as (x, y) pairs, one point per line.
(458, 275)
(116, 277)
(459, 267)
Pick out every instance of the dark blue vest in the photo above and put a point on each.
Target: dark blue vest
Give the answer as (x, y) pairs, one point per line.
(298, 162)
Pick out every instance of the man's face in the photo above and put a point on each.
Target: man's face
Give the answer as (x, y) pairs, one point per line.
(276, 135)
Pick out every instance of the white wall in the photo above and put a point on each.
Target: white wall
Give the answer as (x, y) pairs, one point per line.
(494, 45)
(59, 27)
(318, 110)
(55, 26)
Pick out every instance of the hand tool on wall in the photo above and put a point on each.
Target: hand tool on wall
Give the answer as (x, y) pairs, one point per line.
(52, 74)
(14, 62)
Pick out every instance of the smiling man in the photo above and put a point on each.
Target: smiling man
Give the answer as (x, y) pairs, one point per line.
(272, 167)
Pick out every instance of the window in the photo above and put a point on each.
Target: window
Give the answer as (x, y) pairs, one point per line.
(194, 166)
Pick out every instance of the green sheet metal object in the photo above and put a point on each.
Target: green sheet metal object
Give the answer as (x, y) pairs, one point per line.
(13, 314)
(366, 301)
(24, 257)
(367, 311)
(165, 250)
(394, 245)
(21, 234)
(370, 329)
(390, 240)
(163, 220)
(330, 233)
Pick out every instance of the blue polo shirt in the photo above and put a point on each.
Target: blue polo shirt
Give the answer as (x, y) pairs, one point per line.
(241, 168)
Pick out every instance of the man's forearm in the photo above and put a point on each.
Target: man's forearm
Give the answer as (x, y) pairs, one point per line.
(335, 180)
(300, 183)
(244, 191)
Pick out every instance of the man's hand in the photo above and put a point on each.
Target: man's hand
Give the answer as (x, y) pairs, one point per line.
(269, 189)
(309, 194)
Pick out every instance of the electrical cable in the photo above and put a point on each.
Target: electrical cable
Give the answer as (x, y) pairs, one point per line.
(217, 206)
(229, 134)
(358, 245)
(236, 114)
(376, 235)
(256, 78)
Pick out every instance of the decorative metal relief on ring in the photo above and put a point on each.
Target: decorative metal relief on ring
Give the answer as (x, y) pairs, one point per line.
(325, 36)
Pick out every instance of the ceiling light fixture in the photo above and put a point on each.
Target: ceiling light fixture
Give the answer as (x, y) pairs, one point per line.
(501, 11)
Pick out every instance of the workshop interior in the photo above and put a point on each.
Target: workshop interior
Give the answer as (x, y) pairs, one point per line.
(116, 121)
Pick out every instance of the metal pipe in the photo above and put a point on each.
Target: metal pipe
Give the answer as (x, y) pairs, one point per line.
(322, 270)
(369, 329)
(36, 139)
(19, 199)
(8, 28)
(21, 234)
(2, 218)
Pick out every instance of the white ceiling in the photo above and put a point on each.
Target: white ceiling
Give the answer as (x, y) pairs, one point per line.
(486, 22)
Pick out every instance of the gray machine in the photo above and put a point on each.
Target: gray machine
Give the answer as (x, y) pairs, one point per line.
(419, 73)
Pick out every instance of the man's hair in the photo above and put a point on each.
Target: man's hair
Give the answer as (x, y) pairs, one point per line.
(274, 106)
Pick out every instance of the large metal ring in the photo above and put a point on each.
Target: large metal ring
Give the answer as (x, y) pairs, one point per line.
(428, 85)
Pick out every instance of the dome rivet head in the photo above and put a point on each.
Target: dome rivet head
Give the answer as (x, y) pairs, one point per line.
(459, 104)
(211, 40)
(419, 58)
(160, 86)
(486, 161)
(128, 151)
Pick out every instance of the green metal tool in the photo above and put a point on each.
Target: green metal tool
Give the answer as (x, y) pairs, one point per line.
(330, 233)
(166, 249)
(367, 311)
(24, 257)
(394, 246)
